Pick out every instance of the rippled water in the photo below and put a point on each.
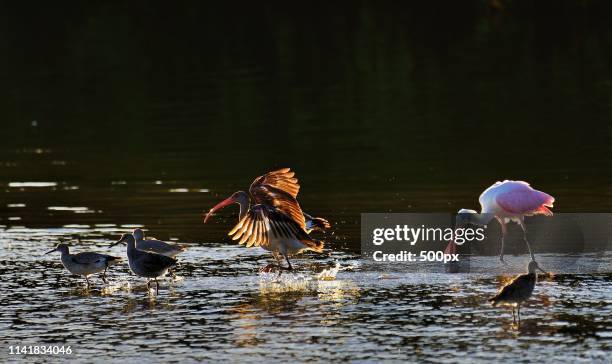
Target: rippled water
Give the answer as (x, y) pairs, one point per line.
(220, 308)
(122, 115)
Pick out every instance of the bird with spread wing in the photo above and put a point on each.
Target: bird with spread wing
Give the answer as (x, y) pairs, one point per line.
(275, 222)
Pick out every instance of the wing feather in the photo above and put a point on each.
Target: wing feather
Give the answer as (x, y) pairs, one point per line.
(510, 290)
(238, 226)
(519, 198)
(279, 189)
(88, 258)
(282, 179)
(253, 236)
(263, 223)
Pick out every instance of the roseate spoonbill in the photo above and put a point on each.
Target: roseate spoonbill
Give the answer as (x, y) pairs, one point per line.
(86, 263)
(276, 221)
(518, 290)
(145, 264)
(508, 201)
(156, 246)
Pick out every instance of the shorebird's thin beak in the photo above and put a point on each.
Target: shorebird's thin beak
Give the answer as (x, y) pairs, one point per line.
(220, 205)
(542, 270)
(117, 242)
(51, 251)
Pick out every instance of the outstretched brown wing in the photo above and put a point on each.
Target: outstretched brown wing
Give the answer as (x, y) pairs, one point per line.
(283, 179)
(263, 223)
(279, 189)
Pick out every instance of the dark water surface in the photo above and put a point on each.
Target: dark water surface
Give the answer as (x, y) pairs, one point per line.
(221, 309)
(142, 114)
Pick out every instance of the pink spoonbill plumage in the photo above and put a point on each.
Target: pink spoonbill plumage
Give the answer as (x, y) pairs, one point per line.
(508, 201)
(275, 221)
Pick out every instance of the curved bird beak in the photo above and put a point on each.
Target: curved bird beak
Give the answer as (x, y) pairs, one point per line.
(115, 243)
(51, 251)
(220, 205)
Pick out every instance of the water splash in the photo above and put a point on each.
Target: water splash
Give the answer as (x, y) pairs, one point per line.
(330, 273)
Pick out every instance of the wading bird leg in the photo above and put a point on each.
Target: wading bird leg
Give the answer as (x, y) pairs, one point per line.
(87, 279)
(104, 275)
(522, 224)
(278, 264)
(289, 268)
(278, 259)
(268, 268)
(519, 313)
(503, 237)
(513, 315)
(148, 284)
(156, 286)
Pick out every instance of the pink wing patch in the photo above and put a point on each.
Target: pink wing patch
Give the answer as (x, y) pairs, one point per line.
(526, 202)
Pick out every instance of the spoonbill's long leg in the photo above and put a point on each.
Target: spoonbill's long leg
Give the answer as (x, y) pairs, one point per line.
(522, 224)
(504, 229)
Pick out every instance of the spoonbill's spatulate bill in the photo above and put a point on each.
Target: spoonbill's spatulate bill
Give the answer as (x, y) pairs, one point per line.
(145, 264)
(156, 246)
(86, 263)
(518, 290)
(509, 201)
(276, 221)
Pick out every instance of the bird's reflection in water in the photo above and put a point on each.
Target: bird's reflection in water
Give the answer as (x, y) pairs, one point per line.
(94, 290)
(341, 292)
(288, 303)
(149, 302)
(250, 319)
(83, 291)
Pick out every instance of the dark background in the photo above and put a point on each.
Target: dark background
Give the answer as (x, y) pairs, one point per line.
(378, 107)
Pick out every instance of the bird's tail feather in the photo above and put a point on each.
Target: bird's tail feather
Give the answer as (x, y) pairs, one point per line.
(314, 245)
(317, 223)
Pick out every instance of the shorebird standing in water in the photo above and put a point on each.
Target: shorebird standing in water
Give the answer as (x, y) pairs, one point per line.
(86, 263)
(145, 264)
(156, 246)
(276, 221)
(518, 290)
(508, 201)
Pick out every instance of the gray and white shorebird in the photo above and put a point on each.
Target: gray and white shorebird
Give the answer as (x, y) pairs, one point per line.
(86, 263)
(156, 246)
(145, 264)
(518, 290)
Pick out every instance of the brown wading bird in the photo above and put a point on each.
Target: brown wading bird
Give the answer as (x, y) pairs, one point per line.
(276, 221)
(518, 290)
